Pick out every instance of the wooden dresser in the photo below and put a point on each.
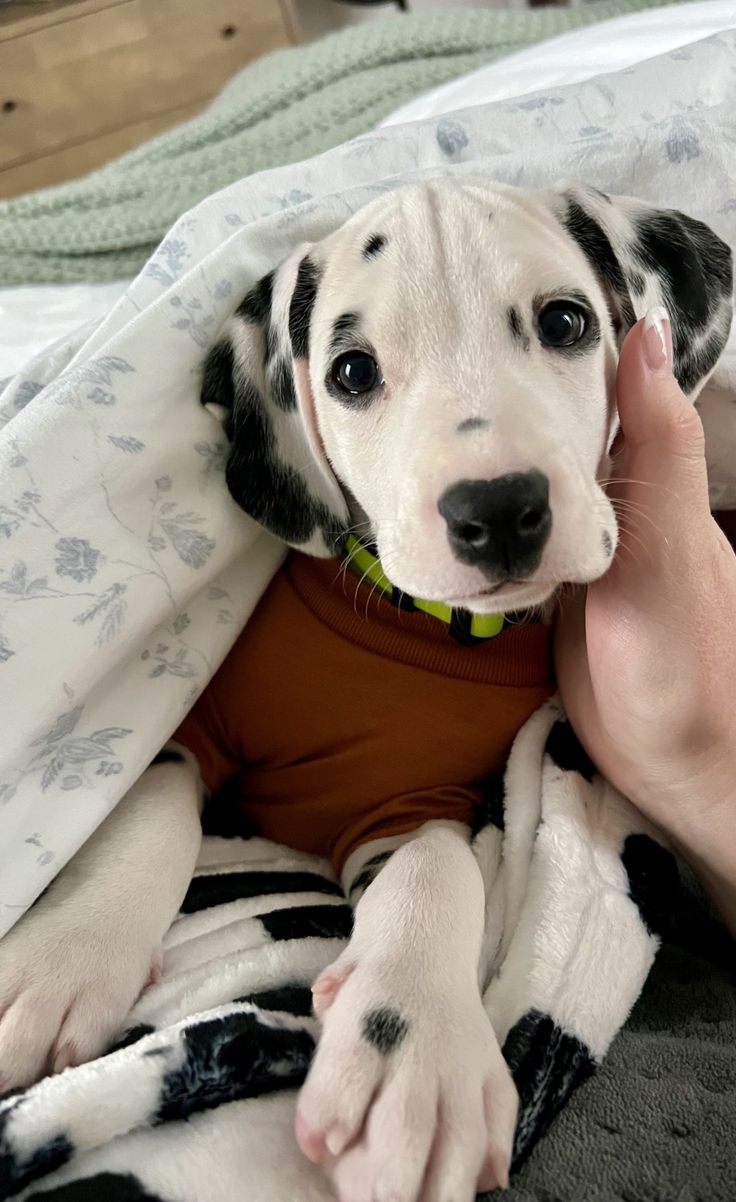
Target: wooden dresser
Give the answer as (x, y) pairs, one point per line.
(81, 81)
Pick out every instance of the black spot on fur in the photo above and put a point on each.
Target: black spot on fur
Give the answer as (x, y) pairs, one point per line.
(369, 871)
(288, 999)
(102, 1187)
(490, 809)
(168, 756)
(607, 542)
(343, 327)
(218, 382)
(18, 1170)
(256, 304)
(693, 264)
(222, 887)
(302, 304)
(272, 492)
(695, 268)
(636, 281)
(232, 1057)
(695, 362)
(282, 385)
(593, 241)
(516, 326)
(472, 423)
(565, 749)
(653, 881)
(547, 1064)
(374, 246)
(309, 922)
(384, 1029)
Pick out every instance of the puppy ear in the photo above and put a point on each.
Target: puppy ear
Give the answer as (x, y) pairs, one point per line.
(256, 379)
(645, 256)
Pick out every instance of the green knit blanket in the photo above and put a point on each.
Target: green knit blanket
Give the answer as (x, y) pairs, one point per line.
(288, 106)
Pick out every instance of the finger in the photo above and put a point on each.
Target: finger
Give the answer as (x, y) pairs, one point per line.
(663, 458)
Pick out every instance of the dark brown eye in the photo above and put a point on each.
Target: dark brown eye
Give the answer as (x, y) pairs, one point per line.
(355, 373)
(561, 324)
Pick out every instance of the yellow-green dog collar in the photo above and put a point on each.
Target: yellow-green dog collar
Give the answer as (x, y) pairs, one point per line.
(465, 627)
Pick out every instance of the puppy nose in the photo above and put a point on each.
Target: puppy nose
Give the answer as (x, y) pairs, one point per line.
(499, 525)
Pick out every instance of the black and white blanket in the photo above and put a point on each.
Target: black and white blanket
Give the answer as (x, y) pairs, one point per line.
(196, 1099)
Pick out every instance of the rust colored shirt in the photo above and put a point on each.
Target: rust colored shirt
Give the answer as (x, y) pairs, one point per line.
(337, 718)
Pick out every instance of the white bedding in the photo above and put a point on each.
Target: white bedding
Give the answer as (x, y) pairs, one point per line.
(32, 317)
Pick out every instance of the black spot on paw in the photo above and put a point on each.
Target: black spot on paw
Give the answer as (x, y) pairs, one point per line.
(384, 1029)
(490, 809)
(374, 246)
(565, 750)
(547, 1064)
(302, 303)
(653, 881)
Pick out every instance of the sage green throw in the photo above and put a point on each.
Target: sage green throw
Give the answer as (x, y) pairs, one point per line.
(288, 106)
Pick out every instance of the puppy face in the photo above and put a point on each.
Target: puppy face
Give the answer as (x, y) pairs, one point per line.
(461, 363)
(439, 374)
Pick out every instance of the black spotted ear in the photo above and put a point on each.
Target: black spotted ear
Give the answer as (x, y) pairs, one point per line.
(256, 379)
(645, 256)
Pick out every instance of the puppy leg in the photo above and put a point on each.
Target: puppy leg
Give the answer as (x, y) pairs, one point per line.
(75, 963)
(409, 1096)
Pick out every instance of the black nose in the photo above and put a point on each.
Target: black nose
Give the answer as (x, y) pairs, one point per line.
(499, 525)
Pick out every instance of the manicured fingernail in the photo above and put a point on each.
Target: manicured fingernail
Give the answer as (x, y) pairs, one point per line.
(657, 340)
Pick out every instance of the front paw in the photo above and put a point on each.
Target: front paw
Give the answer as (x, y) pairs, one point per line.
(409, 1097)
(65, 991)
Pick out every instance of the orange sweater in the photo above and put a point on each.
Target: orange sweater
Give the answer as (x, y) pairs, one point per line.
(339, 719)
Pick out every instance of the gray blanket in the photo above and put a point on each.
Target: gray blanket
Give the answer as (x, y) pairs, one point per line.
(657, 1121)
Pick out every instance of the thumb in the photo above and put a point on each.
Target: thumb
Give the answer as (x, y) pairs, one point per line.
(663, 459)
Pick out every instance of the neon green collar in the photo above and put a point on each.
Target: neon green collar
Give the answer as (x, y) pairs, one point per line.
(465, 627)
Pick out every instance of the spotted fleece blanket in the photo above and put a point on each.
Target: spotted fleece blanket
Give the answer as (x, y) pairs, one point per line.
(200, 1087)
(126, 574)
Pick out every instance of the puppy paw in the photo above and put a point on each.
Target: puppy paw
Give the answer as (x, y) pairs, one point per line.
(408, 1100)
(65, 991)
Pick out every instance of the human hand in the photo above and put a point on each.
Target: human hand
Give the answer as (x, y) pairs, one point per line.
(646, 657)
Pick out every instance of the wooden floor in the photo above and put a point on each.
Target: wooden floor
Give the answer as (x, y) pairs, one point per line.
(81, 81)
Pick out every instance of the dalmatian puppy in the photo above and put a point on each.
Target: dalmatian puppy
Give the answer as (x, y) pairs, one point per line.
(439, 374)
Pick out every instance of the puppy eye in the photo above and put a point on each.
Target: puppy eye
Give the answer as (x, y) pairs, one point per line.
(355, 373)
(561, 324)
